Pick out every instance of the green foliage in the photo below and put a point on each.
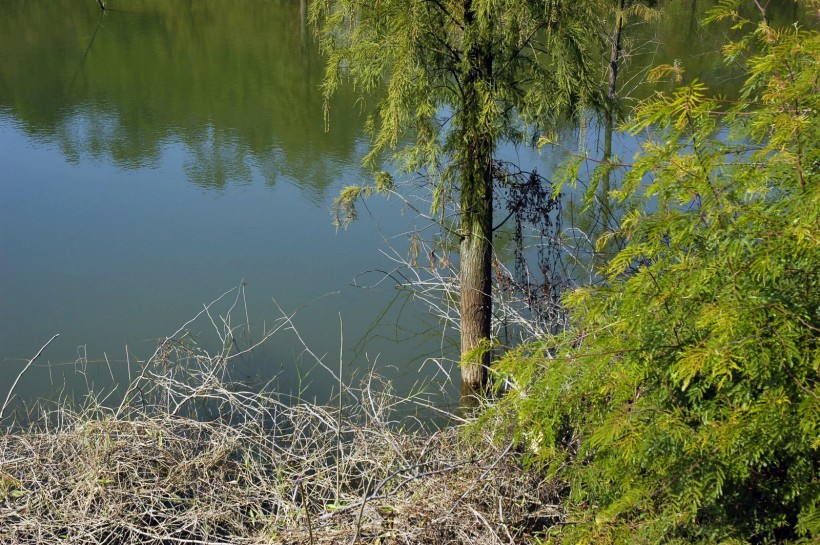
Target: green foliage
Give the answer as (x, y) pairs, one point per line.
(458, 77)
(449, 74)
(479, 350)
(344, 206)
(684, 406)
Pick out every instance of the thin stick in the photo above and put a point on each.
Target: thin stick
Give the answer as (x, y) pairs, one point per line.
(339, 422)
(307, 511)
(481, 478)
(289, 321)
(13, 386)
(247, 317)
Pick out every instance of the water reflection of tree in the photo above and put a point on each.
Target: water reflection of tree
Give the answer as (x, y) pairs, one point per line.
(216, 159)
(238, 87)
(677, 35)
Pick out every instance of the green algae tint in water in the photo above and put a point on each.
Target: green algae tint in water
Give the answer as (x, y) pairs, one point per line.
(157, 155)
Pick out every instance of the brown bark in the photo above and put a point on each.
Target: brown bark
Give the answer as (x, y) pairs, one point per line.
(476, 301)
(476, 216)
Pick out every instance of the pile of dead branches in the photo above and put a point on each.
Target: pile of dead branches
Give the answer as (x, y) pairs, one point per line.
(188, 456)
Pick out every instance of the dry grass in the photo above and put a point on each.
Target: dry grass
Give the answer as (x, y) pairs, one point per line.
(189, 457)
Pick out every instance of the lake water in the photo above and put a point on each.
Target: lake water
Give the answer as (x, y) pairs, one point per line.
(157, 155)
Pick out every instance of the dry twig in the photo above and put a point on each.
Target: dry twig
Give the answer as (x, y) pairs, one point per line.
(189, 456)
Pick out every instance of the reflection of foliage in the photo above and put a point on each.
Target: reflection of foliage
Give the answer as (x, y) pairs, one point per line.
(676, 37)
(98, 133)
(155, 72)
(217, 160)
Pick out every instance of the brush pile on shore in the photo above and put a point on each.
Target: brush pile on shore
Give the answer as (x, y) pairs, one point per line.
(189, 457)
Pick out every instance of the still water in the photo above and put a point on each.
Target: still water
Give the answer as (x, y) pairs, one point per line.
(160, 153)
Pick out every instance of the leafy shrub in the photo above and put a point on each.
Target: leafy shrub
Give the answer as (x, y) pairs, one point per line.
(683, 405)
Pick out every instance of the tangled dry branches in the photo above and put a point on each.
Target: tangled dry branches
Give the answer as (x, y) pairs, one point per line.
(190, 457)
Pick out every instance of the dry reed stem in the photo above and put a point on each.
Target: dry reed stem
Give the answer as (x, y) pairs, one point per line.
(190, 457)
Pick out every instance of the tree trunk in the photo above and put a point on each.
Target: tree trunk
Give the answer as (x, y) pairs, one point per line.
(476, 215)
(476, 287)
(609, 114)
(615, 53)
(606, 206)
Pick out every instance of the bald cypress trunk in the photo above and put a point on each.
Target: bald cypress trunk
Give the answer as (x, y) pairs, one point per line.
(487, 66)
(475, 251)
(476, 281)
